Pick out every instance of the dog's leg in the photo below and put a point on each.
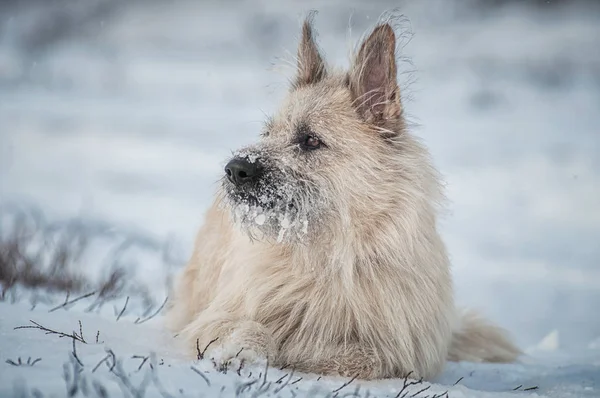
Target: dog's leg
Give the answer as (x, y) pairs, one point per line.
(195, 287)
(351, 361)
(355, 362)
(228, 340)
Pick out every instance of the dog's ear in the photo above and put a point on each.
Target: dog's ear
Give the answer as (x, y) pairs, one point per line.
(311, 67)
(373, 77)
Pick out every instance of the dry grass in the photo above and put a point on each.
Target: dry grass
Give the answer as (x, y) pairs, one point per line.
(53, 257)
(22, 255)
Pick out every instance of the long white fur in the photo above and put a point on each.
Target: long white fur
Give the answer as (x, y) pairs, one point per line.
(369, 293)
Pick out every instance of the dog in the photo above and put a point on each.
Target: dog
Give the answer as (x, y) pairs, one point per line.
(321, 250)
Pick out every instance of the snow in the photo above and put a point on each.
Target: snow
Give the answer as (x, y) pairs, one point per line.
(260, 219)
(147, 355)
(126, 116)
(550, 342)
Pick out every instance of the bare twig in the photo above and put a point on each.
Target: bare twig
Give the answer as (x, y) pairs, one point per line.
(67, 302)
(201, 375)
(277, 390)
(75, 353)
(139, 321)
(21, 363)
(420, 391)
(123, 310)
(281, 378)
(72, 376)
(244, 386)
(50, 331)
(101, 362)
(81, 332)
(114, 359)
(203, 352)
(406, 384)
(531, 388)
(265, 376)
(343, 385)
(457, 381)
(239, 369)
(143, 358)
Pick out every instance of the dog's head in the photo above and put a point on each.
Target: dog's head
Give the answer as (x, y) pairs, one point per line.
(336, 156)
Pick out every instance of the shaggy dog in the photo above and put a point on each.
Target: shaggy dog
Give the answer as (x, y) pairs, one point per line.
(321, 249)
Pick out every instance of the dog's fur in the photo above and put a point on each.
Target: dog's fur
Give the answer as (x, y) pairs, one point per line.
(331, 261)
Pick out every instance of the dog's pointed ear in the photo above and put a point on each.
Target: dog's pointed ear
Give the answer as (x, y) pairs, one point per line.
(311, 67)
(373, 77)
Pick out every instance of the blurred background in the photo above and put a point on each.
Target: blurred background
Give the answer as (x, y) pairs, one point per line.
(122, 113)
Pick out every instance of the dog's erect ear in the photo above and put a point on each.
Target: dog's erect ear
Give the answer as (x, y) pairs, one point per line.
(311, 67)
(373, 77)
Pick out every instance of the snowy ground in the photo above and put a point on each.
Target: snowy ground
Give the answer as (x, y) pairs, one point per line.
(122, 114)
(121, 353)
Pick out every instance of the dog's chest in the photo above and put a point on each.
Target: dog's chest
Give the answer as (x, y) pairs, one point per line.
(301, 306)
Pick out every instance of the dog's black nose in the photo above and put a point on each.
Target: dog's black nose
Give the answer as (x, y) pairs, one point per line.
(240, 171)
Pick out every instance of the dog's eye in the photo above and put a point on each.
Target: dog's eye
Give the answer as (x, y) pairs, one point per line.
(311, 142)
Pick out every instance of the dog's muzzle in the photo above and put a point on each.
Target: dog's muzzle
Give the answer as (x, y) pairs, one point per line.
(265, 199)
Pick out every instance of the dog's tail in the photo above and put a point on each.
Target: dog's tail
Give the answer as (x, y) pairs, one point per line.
(478, 340)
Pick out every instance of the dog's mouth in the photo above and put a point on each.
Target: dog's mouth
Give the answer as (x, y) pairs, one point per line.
(258, 196)
(267, 211)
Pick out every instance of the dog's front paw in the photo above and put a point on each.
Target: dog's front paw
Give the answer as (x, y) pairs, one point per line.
(245, 343)
(234, 355)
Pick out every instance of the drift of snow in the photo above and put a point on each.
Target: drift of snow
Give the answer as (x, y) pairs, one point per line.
(550, 342)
